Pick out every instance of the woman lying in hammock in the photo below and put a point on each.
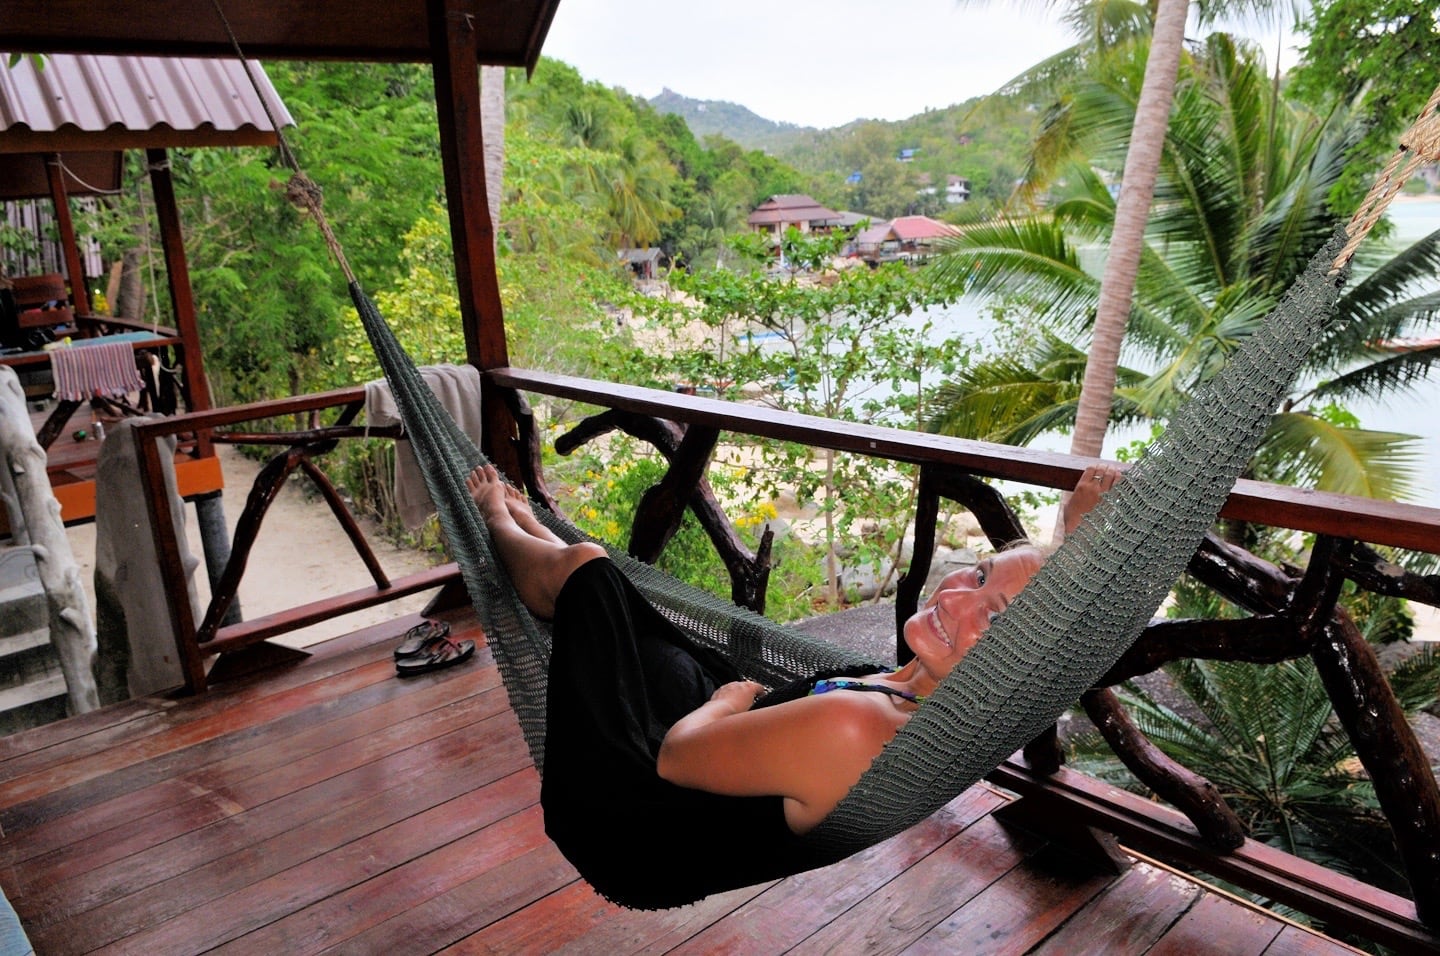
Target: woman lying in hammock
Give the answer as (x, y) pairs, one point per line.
(667, 776)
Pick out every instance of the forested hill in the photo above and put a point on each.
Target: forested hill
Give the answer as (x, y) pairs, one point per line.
(984, 141)
(736, 123)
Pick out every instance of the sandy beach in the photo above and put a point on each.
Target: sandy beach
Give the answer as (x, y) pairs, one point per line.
(301, 555)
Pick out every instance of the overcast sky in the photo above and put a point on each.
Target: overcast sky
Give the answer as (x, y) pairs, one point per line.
(812, 62)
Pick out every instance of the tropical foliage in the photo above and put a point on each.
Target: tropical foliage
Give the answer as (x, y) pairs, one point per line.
(1242, 201)
(843, 344)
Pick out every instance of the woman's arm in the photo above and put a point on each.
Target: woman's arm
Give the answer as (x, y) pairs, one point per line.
(809, 751)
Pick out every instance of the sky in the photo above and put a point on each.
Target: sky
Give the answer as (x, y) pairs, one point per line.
(815, 62)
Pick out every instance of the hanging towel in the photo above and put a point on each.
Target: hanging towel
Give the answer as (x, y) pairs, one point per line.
(83, 371)
(457, 387)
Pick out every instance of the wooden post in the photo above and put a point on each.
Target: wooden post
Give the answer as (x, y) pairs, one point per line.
(453, 48)
(182, 299)
(79, 292)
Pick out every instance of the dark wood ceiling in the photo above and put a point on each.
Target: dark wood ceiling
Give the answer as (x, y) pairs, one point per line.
(509, 32)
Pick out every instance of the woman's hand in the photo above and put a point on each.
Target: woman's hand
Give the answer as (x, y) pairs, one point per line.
(738, 695)
(1094, 482)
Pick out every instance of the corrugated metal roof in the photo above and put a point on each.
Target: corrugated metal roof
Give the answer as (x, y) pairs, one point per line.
(79, 102)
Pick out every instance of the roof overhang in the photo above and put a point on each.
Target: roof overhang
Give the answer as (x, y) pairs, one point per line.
(509, 32)
(88, 109)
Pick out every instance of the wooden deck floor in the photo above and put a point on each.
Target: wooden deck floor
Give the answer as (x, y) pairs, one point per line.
(330, 807)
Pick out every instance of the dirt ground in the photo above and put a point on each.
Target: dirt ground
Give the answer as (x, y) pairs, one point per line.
(301, 555)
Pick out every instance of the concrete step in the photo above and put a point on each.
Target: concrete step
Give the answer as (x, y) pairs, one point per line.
(46, 688)
(22, 600)
(19, 643)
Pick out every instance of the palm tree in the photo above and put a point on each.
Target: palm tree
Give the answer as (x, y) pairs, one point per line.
(1104, 25)
(1241, 204)
(1127, 238)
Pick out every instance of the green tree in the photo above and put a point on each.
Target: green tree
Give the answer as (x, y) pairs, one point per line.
(812, 339)
(1378, 54)
(1141, 169)
(1242, 203)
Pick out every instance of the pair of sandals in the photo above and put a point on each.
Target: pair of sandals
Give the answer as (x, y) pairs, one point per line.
(427, 647)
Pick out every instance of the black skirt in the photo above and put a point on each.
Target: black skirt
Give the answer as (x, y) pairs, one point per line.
(620, 675)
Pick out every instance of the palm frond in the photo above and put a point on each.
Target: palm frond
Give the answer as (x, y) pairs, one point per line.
(1308, 450)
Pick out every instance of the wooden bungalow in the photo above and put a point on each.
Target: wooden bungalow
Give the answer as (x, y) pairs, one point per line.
(907, 237)
(779, 213)
(323, 806)
(64, 129)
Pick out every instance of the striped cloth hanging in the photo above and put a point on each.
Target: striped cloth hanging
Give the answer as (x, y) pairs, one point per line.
(83, 371)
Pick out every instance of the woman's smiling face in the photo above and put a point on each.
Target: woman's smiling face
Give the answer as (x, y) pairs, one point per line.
(961, 608)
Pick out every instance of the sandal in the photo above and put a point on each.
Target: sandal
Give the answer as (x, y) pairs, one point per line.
(420, 637)
(440, 654)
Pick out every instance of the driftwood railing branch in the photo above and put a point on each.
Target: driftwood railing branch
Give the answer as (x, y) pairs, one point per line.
(1187, 791)
(684, 485)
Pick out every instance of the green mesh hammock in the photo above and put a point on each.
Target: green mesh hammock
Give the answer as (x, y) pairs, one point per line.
(1083, 609)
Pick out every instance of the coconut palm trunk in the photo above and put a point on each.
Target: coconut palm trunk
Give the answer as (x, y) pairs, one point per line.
(1132, 210)
(492, 131)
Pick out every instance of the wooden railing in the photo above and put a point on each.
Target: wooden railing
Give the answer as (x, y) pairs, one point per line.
(1292, 616)
(197, 641)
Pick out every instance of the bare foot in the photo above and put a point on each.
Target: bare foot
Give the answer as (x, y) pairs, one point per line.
(488, 491)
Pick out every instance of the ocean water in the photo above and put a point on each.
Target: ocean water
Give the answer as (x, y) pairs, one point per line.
(1415, 412)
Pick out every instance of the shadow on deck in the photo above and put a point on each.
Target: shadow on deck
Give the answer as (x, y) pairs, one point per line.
(327, 806)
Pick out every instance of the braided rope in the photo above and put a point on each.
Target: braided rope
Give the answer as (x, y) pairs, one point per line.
(1420, 144)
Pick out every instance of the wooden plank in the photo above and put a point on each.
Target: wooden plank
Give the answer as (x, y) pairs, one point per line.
(245, 707)
(1147, 827)
(1345, 516)
(1127, 917)
(916, 901)
(462, 839)
(119, 797)
(24, 745)
(37, 796)
(236, 636)
(802, 905)
(272, 841)
(328, 659)
(1295, 941)
(1219, 924)
(1017, 911)
(287, 797)
(433, 924)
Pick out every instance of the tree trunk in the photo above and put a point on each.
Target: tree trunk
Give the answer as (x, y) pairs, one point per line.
(71, 630)
(492, 130)
(1132, 209)
(129, 301)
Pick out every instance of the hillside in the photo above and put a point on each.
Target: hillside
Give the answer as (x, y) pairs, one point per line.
(732, 121)
(982, 140)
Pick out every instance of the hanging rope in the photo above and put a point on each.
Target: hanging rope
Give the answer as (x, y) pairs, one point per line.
(1420, 144)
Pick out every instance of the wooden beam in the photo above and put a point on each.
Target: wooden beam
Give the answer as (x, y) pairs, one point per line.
(1144, 825)
(454, 30)
(79, 291)
(1365, 519)
(182, 298)
(511, 33)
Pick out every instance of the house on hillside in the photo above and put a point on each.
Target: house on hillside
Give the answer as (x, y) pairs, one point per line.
(908, 237)
(957, 189)
(778, 213)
